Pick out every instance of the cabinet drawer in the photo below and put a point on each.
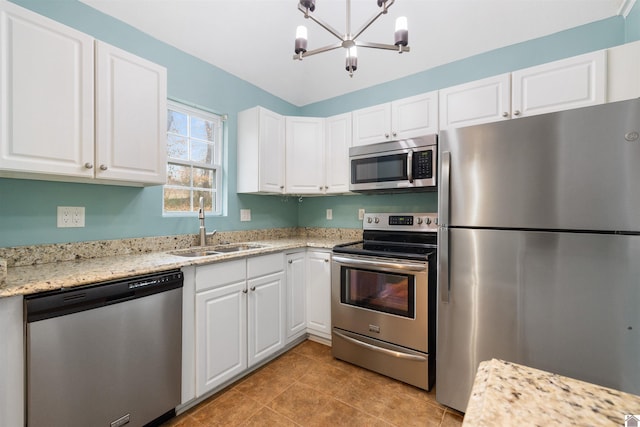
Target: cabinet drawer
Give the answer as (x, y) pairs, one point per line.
(266, 264)
(215, 275)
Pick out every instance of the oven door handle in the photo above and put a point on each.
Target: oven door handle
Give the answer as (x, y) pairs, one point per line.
(379, 263)
(386, 351)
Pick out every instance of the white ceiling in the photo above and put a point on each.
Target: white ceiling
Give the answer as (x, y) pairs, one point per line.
(254, 39)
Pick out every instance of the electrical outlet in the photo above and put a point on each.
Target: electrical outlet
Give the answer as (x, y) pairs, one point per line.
(360, 214)
(70, 216)
(245, 214)
(329, 213)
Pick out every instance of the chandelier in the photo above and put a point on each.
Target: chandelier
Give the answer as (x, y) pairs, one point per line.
(348, 41)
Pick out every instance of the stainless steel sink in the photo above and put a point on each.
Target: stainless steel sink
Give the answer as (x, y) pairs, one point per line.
(235, 248)
(217, 250)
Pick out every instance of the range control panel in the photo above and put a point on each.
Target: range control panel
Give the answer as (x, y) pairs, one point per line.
(417, 222)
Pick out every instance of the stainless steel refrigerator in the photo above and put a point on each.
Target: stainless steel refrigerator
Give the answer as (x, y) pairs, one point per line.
(539, 248)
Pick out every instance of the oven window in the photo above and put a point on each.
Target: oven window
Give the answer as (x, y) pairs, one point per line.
(379, 169)
(379, 291)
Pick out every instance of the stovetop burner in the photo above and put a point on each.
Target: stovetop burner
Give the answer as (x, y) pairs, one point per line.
(406, 236)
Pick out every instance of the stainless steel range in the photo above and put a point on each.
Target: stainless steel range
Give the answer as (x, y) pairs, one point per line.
(383, 297)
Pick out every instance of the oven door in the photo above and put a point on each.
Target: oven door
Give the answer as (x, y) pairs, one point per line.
(382, 298)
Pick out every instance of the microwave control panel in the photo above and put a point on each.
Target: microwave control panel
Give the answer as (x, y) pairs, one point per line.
(422, 161)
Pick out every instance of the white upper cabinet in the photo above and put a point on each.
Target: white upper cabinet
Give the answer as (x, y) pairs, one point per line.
(261, 151)
(480, 101)
(623, 72)
(400, 119)
(574, 82)
(131, 117)
(304, 143)
(336, 153)
(46, 78)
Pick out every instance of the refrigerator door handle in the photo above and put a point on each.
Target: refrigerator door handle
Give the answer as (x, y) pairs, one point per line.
(443, 234)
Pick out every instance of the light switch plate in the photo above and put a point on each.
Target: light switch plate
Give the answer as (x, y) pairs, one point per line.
(245, 214)
(329, 213)
(360, 214)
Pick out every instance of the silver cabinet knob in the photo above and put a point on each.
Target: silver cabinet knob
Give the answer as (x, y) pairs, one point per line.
(282, 187)
(326, 187)
(395, 134)
(244, 291)
(320, 188)
(516, 113)
(88, 165)
(505, 114)
(386, 135)
(253, 288)
(103, 167)
(326, 260)
(290, 261)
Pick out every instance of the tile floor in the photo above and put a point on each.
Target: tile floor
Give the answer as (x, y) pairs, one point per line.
(308, 387)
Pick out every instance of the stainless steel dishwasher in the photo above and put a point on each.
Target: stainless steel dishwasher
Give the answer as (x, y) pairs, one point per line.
(108, 354)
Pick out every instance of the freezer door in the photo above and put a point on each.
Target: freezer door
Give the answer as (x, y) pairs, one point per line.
(562, 302)
(575, 169)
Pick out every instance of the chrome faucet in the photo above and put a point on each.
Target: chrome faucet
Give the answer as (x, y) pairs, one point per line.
(203, 230)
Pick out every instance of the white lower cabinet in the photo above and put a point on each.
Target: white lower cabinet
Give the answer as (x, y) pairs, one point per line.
(239, 317)
(296, 323)
(12, 403)
(319, 293)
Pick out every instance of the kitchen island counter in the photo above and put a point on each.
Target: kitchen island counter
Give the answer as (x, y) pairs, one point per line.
(506, 394)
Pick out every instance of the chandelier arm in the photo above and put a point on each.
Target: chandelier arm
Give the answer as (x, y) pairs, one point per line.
(320, 22)
(318, 50)
(382, 46)
(372, 20)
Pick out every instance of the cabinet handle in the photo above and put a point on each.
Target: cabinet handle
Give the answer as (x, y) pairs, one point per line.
(244, 291)
(88, 165)
(290, 261)
(505, 114)
(253, 288)
(282, 187)
(516, 113)
(326, 187)
(326, 260)
(320, 188)
(103, 167)
(386, 135)
(395, 134)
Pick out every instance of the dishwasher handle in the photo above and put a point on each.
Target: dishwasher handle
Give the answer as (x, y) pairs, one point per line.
(61, 302)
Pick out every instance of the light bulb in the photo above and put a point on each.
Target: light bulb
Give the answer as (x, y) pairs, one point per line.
(402, 32)
(301, 40)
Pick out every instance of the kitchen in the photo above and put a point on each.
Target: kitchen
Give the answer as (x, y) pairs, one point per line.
(28, 207)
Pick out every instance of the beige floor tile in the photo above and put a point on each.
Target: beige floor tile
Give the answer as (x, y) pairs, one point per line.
(230, 409)
(266, 417)
(307, 387)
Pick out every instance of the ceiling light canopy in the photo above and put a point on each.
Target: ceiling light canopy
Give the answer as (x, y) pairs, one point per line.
(348, 41)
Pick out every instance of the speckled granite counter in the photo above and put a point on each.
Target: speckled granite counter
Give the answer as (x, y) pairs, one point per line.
(76, 270)
(507, 394)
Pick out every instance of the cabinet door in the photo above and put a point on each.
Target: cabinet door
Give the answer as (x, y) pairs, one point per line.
(623, 72)
(372, 124)
(482, 101)
(272, 152)
(305, 155)
(266, 316)
(131, 117)
(414, 116)
(319, 293)
(46, 81)
(574, 82)
(337, 143)
(296, 296)
(221, 335)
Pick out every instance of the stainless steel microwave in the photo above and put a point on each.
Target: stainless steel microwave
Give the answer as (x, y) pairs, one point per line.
(395, 165)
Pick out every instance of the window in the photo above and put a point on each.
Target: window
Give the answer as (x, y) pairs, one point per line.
(194, 168)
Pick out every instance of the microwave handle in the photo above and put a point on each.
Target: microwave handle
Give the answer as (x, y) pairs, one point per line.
(410, 165)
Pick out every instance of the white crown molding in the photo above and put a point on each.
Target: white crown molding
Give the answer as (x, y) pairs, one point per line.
(625, 7)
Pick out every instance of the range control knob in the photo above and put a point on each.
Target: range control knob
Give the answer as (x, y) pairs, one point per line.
(369, 220)
(427, 221)
(377, 220)
(419, 220)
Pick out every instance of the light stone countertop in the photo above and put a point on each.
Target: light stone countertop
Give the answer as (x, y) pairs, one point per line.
(30, 279)
(508, 394)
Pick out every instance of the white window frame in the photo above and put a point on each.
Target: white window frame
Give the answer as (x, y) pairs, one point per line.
(220, 150)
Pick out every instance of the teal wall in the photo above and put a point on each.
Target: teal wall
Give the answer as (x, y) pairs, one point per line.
(28, 208)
